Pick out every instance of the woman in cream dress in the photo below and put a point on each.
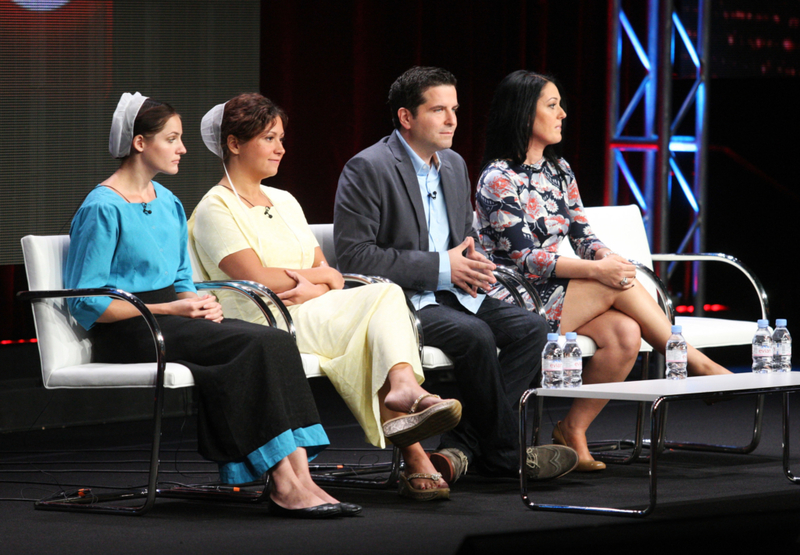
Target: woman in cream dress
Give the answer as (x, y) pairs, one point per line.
(363, 336)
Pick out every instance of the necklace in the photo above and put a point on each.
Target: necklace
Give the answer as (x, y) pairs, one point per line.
(266, 208)
(146, 211)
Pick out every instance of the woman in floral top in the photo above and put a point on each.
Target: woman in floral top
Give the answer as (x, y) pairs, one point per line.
(527, 203)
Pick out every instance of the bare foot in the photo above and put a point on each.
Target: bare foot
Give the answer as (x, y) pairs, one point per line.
(312, 486)
(418, 462)
(709, 368)
(402, 399)
(296, 497)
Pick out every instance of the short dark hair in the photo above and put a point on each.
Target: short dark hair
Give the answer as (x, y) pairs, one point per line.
(246, 116)
(510, 123)
(407, 90)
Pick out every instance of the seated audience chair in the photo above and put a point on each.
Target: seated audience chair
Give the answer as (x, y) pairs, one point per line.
(621, 229)
(65, 349)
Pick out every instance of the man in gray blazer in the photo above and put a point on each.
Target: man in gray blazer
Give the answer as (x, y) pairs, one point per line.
(403, 212)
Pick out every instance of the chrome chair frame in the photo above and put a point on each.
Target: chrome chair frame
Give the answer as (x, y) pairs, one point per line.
(638, 443)
(764, 305)
(84, 500)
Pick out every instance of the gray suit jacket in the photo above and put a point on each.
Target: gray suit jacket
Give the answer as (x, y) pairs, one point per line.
(379, 225)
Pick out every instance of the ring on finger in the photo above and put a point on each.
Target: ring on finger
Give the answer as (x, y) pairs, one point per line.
(624, 282)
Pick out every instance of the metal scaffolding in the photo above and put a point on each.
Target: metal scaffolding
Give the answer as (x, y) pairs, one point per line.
(644, 146)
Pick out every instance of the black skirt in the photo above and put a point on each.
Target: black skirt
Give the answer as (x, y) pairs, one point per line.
(249, 377)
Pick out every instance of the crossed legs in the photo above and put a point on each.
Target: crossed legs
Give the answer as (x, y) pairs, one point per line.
(616, 320)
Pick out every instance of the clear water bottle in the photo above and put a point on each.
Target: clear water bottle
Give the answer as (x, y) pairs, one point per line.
(781, 347)
(552, 363)
(676, 355)
(762, 348)
(573, 361)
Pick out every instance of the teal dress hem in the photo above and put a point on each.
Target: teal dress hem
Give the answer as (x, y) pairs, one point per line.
(252, 468)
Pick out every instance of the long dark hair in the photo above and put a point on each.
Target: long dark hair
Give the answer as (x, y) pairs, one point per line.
(511, 114)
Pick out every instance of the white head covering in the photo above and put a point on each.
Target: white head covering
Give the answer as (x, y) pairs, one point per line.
(211, 129)
(121, 137)
(211, 132)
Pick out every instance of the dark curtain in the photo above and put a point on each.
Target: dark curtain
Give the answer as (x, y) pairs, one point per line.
(330, 65)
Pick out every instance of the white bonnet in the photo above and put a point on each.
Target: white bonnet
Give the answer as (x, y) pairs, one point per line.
(211, 129)
(121, 137)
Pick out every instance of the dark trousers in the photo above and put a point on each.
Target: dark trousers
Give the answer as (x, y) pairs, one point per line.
(490, 385)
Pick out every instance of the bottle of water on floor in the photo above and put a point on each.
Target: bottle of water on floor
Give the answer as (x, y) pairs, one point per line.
(762, 348)
(552, 363)
(781, 347)
(573, 361)
(676, 355)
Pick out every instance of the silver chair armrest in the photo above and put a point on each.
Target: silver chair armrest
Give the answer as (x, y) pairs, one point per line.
(727, 259)
(150, 320)
(242, 290)
(513, 281)
(255, 291)
(359, 279)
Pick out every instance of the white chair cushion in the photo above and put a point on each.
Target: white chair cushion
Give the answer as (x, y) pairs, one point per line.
(434, 359)
(109, 376)
(311, 366)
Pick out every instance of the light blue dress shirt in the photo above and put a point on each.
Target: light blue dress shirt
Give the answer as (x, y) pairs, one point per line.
(430, 187)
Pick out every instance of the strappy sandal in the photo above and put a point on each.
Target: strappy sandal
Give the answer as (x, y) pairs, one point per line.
(406, 489)
(416, 426)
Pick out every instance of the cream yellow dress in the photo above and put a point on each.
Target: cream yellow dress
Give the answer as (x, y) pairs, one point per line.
(358, 334)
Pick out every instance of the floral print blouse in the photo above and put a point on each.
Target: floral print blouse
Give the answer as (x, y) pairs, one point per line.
(525, 211)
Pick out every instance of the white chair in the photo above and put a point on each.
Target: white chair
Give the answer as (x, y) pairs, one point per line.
(621, 229)
(65, 349)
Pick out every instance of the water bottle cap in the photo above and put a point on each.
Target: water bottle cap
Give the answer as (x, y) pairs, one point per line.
(552, 337)
(572, 335)
(780, 322)
(763, 323)
(677, 329)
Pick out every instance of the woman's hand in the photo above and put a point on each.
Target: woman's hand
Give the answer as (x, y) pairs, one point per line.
(205, 307)
(615, 271)
(334, 278)
(303, 291)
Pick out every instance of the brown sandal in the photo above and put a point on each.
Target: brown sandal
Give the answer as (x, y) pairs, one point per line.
(416, 426)
(407, 490)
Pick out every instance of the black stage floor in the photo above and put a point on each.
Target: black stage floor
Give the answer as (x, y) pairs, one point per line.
(734, 501)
